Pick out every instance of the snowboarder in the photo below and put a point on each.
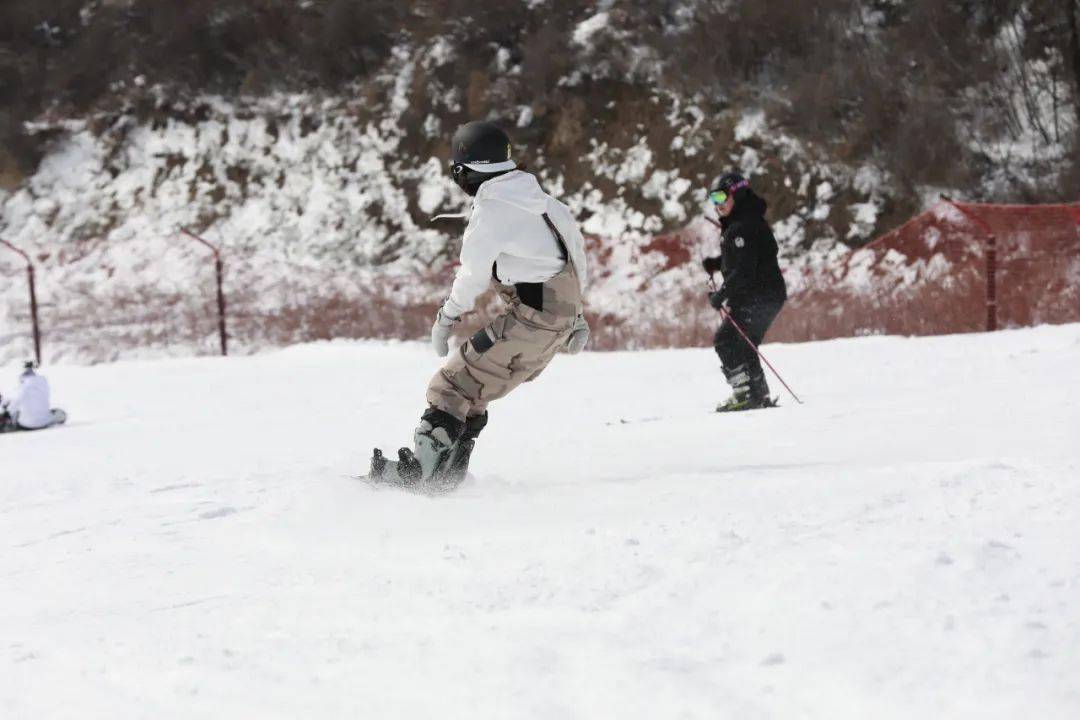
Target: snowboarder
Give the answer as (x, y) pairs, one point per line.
(525, 244)
(29, 408)
(753, 290)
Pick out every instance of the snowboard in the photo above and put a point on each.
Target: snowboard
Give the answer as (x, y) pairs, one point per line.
(59, 417)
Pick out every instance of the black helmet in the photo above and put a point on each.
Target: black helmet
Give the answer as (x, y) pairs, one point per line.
(483, 146)
(731, 182)
(479, 152)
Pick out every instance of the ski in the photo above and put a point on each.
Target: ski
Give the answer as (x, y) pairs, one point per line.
(766, 404)
(763, 405)
(633, 421)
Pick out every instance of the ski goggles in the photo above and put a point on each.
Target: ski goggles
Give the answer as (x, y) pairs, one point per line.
(457, 168)
(719, 197)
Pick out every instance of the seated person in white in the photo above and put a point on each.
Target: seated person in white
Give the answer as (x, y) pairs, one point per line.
(29, 408)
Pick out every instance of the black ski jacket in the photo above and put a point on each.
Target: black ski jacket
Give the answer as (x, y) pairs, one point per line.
(748, 255)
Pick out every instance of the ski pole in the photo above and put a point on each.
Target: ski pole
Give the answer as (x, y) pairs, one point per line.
(727, 316)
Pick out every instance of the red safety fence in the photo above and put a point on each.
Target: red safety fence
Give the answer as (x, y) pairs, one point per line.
(954, 268)
(957, 267)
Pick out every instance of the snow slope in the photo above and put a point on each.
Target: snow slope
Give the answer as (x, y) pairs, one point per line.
(907, 544)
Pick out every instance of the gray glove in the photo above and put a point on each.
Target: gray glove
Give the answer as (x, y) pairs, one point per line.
(440, 333)
(579, 336)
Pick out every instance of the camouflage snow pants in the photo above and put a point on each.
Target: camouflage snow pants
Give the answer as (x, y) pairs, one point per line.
(512, 349)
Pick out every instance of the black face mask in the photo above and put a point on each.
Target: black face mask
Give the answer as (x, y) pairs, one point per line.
(466, 178)
(470, 180)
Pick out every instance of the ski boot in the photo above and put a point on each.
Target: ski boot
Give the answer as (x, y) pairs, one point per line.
(759, 392)
(739, 380)
(749, 392)
(435, 439)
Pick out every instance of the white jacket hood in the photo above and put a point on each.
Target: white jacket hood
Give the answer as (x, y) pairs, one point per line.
(517, 188)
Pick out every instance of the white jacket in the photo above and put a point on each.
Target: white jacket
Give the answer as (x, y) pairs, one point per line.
(507, 229)
(30, 406)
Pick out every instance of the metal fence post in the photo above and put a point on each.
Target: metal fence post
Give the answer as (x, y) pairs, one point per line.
(219, 270)
(33, 300)
(991, 282)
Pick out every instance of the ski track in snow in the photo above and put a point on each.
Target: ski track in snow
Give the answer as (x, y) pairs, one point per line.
(904, 545)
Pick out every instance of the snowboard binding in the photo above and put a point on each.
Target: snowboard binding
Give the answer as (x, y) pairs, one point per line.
(441, 460)
(408, 472)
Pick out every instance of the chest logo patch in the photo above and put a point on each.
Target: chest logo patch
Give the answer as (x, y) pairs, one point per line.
(739, 242)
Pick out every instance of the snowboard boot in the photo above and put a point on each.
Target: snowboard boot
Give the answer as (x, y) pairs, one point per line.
(434, 440)
(457, 466)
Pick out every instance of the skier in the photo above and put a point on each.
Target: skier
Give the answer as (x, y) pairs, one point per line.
(525, 244)
(29, 408)
(753, 289)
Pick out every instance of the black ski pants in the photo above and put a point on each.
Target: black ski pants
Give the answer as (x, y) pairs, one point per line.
(754, 319)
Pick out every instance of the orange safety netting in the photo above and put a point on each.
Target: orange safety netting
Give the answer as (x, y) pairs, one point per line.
(930, 275)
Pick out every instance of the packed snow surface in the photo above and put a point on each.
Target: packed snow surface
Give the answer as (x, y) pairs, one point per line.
(904, 545)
